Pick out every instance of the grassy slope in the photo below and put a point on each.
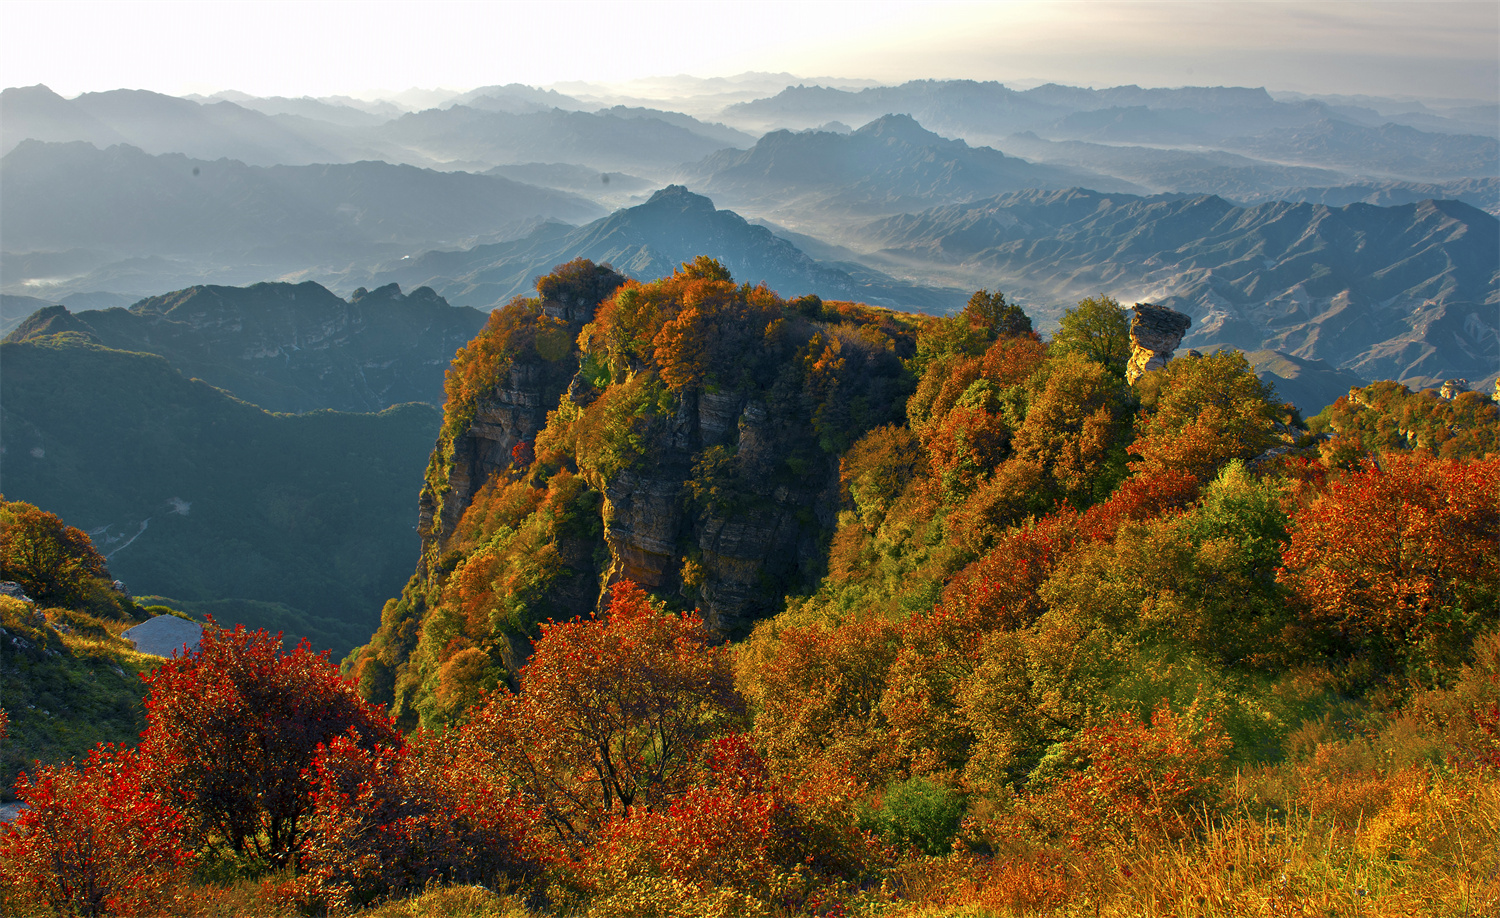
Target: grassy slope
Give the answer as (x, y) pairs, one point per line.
(65, 688)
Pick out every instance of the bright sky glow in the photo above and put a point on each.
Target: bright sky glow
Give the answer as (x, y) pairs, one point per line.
(278, 47)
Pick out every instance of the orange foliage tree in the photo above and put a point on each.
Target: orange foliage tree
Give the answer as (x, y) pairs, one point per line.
(55, 564)
(1200, 412)
(612, 714)
(816, 693)
(1402, 558)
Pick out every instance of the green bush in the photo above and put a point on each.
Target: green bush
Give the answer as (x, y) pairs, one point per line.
(920, 813)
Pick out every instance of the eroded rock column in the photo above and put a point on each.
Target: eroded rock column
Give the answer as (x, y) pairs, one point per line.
(1155, 332)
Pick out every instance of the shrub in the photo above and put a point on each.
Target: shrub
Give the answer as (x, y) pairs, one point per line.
(1124, 779)
(920, 813)
(95, 840)
(389, 821)
(231, 728)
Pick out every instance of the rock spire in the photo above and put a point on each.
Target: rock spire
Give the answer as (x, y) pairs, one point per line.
(1154, 334)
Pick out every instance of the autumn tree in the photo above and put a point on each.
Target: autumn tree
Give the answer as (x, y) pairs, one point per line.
(576, 287)
(611, 715)
(233, 726)
(1200, 412)
(724, 846)
(1124, 778)
(1386, 415)
(1203, 581)
(990, 313)
(95, 839)
(386, 821)
(54, 563)
(1096, 329)
(1073, 427)
(816, 692)
(1400, 561)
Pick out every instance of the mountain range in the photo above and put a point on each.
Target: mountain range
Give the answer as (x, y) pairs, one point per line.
(476, 193)
(285, 347)
(1406, 292)
(989, 111)
(122, 201)
(891, 165)
(650, 241)
(297, 523)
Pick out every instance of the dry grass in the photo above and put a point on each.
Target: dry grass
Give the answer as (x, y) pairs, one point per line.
(1409, 844)
(456, 901)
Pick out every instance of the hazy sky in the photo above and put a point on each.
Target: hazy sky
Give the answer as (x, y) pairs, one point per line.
(1428, 49)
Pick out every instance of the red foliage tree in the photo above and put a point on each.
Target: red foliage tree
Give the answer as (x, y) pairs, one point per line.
(721, 833)
(231, 728)
(733, 843)
(999, 590)
(1126, 778)
(386, 821)
(94, 840)
(1402, 558)
(612, 714)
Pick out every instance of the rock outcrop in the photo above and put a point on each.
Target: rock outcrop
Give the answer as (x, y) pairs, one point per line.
(1453, 388)
(748, 545)
(1155, 332)
(513, 413)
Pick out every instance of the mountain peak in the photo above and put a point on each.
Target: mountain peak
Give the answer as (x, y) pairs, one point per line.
(30, 93)
(900, 128)
(678, 196)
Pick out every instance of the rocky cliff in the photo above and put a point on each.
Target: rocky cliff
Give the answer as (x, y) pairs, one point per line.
(683, 435)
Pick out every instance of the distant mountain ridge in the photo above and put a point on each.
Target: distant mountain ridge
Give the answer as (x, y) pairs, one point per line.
(890, 165)
(285, 347)
(989, 109)
(155, 123)
(1389, 148)
(126, 201)
(599, 140)
(491, 126)
(650, 241)
(1406, 293)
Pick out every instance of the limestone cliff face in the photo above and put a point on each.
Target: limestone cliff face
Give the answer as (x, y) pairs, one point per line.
(512, 414)
(733, 555)
(1155, 332)
(684, 435)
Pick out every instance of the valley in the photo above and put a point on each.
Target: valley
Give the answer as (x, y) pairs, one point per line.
(753, 495)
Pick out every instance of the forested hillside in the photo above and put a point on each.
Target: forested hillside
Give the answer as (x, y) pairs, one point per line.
(729, 604)
(294, 522)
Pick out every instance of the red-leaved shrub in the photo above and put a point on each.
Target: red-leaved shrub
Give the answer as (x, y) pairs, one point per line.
(95, 839)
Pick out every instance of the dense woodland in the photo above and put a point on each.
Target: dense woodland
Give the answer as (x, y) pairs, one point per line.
(925, 616)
